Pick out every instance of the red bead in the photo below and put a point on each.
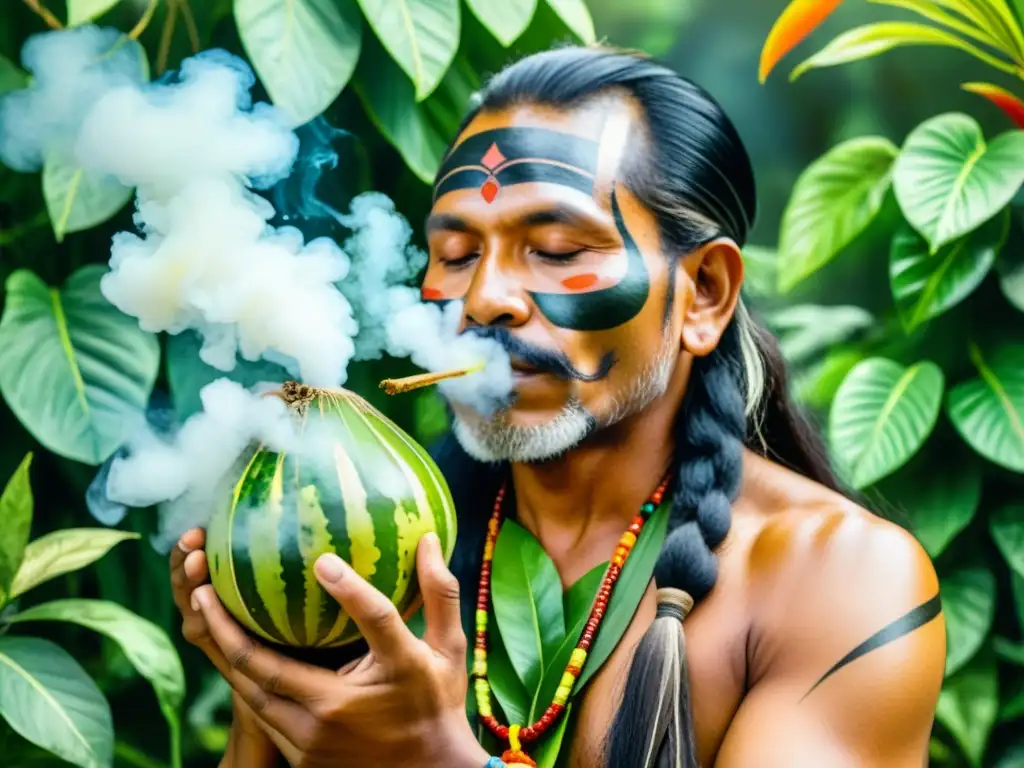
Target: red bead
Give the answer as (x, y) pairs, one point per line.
(527, 734)
(502, 731)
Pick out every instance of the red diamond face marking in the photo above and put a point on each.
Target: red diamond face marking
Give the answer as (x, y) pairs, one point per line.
(492, 157)
(489, 190)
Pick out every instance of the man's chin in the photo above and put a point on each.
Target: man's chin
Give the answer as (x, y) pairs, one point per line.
(497, 439)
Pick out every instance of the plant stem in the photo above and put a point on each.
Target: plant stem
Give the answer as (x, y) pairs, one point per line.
(45, 15)
(190, 24)
(133, 756)
(147, 17)
(175, 729)
(166, 35)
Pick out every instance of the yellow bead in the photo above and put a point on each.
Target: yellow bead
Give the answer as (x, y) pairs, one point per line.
(577, 658)
(483, 707)
(562, 695)
(488, 551)
(628, 539)
(568, 680)
(481, 619)
(479, 654)
(480, 668)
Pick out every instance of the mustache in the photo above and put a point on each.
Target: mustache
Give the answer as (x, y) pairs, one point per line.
(544, 360)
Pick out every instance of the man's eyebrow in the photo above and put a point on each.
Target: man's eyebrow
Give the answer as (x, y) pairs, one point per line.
(558, 215)
(446, 222)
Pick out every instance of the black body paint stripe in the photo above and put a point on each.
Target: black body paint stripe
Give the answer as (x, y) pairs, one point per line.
(904, 625)
(608, 307)
(516, 143)
(521, 172)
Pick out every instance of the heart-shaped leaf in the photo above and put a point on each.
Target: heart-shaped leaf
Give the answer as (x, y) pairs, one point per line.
(389, 101)
(506, 20)
(47, 698)
(62, 552)
(948, 181)
(968, 705)
(1007, 528)
(807, 330)
(146, 646)
(15, 524)
(968, 605)
(576, 17)
(76, 371)
(421, 35)
(925, 285)
(834, 200)
(881, 415)
(988, 411)
(938, 505)
(304, 51)
(84, 11)
(527, 596)
(79, 199)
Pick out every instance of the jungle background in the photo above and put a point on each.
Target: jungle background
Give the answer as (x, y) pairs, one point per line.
(919, 383)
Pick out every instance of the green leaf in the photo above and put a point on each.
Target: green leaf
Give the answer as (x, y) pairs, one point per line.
(968, 705)
(807, 330)
(1013, 709)
(1007, 527)
(870, 40)
(948, 182)
(833, 201)
(146, 646)
(1010, 268)
(77, 199)
(75, 371)
(527, 596)
(550, 745)
(988, 411)
(817, 386)
(938, 505)
(12, 76)
(506, 20)
(421, 35)
(881, 415)
(48, 699)
(981, 29)
(304, 51)
(1009, 651)
(968, 605)
(925, 285)
(576, 17)
(1017, 586)
(62, 552)
(84, 11)
(15, 524)
(508, 689)
(388, 98)
(761, 270)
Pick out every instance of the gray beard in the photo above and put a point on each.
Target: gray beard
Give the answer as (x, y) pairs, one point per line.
(495, 440)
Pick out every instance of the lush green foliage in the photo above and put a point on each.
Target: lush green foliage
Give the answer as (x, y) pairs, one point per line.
(395, 77)
(925, 400)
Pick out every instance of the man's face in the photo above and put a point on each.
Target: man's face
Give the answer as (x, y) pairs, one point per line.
(533, 231)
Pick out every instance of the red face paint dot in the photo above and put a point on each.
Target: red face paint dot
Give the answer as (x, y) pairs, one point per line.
(489, 190)
(580, 282)
(430, 294)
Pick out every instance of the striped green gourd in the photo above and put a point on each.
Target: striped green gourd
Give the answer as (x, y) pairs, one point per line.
(367, 493)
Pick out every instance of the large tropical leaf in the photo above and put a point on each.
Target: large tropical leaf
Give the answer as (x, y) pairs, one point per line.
(794, 24)
(576, 17)
(421, 35)
(948, 181)
(62, 552)
(1007, 527)
(47, 698)
(760, 270)
(389, 100)
(937, 505)
(968, 705)
(15, 524)
(304, 51)
(968, 606)
(881, 415)
(988, 411)
(506, 20)
(834, 200)
(807, 330)
(146, 646)
(75, 371)
(78, 199)
(84, 11)
(527, 595)
(925, 285)
(508, 689)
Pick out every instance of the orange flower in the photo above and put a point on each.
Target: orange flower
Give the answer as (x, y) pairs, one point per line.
(1002, 98)
(800, 18)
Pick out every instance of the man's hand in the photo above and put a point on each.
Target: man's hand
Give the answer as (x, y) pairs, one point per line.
(402, 704)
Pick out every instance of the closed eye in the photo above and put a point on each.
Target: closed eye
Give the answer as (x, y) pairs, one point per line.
(461, 261)
(561, 257)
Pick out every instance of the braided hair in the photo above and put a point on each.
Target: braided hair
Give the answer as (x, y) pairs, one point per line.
(695, 176)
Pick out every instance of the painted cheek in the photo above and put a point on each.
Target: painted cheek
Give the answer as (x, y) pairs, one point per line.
(580, 282)
(430, 294)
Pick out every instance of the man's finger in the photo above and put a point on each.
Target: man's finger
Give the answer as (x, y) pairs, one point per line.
(440, 599)
(284, 721)
(378, 620)
(272, 673)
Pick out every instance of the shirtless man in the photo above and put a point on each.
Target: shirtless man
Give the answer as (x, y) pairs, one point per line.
(590, 217)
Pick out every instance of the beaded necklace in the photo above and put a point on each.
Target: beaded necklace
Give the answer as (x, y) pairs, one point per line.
(517, 736)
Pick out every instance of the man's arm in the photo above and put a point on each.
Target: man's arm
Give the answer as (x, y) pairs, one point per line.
(847, 670)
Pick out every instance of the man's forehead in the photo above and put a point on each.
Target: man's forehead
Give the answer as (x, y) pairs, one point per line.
(584, 121)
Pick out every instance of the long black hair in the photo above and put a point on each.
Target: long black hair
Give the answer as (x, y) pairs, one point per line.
(694, 174)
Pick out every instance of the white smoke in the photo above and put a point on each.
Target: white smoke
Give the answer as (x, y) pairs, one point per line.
(206, 258)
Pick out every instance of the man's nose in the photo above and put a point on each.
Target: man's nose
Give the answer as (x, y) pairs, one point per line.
(495, 297)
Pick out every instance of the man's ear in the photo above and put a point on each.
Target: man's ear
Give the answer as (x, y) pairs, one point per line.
(716, 269)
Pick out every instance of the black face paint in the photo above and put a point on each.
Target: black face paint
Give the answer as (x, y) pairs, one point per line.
(606, 308)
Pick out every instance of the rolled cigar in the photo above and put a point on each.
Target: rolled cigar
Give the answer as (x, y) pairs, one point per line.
(409, 383)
